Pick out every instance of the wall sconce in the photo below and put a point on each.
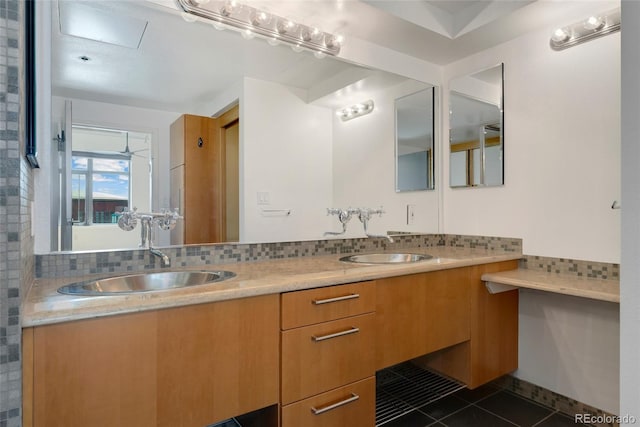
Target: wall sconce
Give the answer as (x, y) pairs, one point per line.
(255, 22)
(593, 27)
(355, 110)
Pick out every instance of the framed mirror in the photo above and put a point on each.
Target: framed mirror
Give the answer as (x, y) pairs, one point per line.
(476, 129)
(414, 141)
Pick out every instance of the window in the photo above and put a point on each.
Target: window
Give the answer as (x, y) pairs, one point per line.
(100, 186)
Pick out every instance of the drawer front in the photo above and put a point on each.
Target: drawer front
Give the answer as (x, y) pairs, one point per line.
(302, 308)
(322, 357)
(353, 405)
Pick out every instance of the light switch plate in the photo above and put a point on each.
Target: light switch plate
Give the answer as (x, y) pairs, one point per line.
(411, 214)
(263, 198)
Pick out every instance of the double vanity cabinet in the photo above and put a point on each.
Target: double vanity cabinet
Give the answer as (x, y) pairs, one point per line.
(300, 358)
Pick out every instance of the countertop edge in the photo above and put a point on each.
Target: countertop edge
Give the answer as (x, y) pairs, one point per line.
(557, 283)
(274, 284)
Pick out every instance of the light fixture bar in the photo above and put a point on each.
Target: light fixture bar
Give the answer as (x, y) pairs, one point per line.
(593, 27)
(355, 110)
(250, 20)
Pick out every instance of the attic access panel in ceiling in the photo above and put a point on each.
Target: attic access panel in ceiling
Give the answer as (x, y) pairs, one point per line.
(89, 21)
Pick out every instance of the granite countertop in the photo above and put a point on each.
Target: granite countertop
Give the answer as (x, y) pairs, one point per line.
(586, 287)
(43, 305)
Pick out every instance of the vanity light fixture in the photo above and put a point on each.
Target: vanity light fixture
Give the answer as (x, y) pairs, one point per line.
(255, 22)
(355, 110)
(593, 27)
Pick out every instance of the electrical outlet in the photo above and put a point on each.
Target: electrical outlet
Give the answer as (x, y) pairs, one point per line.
(411, 214)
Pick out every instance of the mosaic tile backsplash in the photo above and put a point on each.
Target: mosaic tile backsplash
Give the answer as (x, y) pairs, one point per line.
(79, 264)
(592, 269)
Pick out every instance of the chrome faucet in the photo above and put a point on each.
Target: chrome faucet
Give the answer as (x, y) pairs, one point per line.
(344, 216)
(364, 215)
(166, 220)
(146, 239)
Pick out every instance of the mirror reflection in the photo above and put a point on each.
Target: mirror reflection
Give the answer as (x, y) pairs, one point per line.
(414, 141)
(286, 127)
(475, 136)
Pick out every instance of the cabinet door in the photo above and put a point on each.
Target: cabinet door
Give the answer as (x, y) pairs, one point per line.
(180, 367)
(195, 144)
(216, 361)
(321, 357)
(353, 405)
(421, 313)
(98, 373)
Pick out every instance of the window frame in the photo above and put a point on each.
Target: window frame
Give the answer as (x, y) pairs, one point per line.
(88, 174)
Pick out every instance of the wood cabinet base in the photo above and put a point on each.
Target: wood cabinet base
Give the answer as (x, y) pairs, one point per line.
(180, 367)
(353, 405)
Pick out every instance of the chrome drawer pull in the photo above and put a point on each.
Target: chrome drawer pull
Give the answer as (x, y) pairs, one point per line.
(349, 331)
(327, 408)
(336, 299)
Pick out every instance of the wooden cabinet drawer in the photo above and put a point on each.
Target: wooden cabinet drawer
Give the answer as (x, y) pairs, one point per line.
(302, 308)
(353, 405)
(325, 356)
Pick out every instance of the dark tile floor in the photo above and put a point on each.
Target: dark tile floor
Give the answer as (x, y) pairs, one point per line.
(487, 406)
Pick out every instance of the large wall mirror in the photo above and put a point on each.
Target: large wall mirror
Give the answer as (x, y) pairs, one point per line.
(476, 122)
(142, 81)
(414, 141)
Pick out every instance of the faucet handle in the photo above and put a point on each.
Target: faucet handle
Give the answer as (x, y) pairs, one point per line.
(168, 219)
(128, 219)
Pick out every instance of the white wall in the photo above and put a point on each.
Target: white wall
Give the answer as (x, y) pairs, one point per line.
(562, 150)
(630, 267)
(285, 151)
(571, 345)
(562, 172)
(364, 170)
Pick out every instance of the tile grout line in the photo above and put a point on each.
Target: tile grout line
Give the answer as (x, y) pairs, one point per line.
(546, 418)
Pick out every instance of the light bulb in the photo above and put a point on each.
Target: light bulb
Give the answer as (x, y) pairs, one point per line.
(310, 33)
(247, 34)
(560, 35)
(593, 23)
(259, 18)
(297, 48)
(189, 17)
(218, 26)
(229, 7)
(319, 55)
(286, 26)
(333, 42)
(273, 41)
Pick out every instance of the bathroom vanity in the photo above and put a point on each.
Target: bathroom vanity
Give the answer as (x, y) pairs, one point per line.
(302, 338)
